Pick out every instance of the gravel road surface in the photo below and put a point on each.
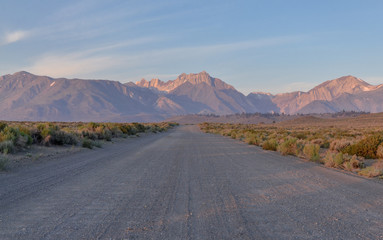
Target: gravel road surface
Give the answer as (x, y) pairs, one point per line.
(184, 184)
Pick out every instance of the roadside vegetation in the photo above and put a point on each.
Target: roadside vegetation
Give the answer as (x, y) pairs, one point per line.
(359, 150)
(18, 136)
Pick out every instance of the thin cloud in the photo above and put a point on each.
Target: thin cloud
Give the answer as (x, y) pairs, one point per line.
(99, 59)
(14, 36)
(84, 62)
(71, 65)
(226, 47)
(159, 56)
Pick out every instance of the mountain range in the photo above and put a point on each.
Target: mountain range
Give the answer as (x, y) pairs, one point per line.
(28, 97)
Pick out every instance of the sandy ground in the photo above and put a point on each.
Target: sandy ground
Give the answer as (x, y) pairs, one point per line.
(184, 184)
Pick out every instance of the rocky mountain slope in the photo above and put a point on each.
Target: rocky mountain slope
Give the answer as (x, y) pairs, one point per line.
(24, 96)
(324, 97)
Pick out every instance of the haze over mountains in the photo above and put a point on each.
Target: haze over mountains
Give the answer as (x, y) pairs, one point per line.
(24, 96)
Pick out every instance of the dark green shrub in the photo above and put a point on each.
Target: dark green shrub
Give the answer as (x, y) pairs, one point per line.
(7, 146)
(338, 159)
(62, 138)
(3, 163)
(87, 143)
(89, 135)
(311, 152)
(140, 127)
(2, 126)
(270, 144)
(366, 147)
(126, 129)
(288, 147)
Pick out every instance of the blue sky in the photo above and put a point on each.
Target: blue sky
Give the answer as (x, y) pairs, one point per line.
(270, 46)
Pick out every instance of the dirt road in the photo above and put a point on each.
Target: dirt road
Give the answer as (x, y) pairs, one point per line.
(185, 184)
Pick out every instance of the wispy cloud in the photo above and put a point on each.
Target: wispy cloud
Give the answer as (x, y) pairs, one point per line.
(228, 47)
(98, 59)
(70, 65)
(197, 53)
(80, 63)
(14, 36)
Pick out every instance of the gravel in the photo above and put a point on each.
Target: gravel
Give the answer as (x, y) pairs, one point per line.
(185, 184)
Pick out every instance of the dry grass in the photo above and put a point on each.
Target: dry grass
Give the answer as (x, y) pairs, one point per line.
(15, 136)
(345, 141)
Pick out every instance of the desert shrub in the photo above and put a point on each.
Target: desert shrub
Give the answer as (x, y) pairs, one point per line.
(92, 125)
(366, 147)
(338, 159)
(300, 135)
(352, 163)
(370, 172)
(89, 135)
(233, 134)
(311, 151)
(379, 151)
(270, 144)
(87, 143)
(35, 134)
(333, 159)
(7, 146)
(3, 163)
(339, 144)
(24, 130)
(23, 140)
(318, 141)
(62, 138)
(140, 127)
(355, 163)
(102, 132)
(325, 144)
(250, 138)
(2, 126)
(127, 129)
(300, 146)
(328, 160)
(14, 135)
(288, 147)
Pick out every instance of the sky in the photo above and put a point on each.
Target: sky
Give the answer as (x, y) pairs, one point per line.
(263, 46)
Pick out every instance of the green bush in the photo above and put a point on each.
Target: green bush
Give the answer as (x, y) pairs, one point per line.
(333, 159)
(338, 159)
(328, 160)
(62, 138)
(366, 147)
(370, 172)
(379, 151)
(140, 127)
(13, 135)
(3, 163)
(2, 126)
(352, 163)
(127, 129)
(7, 146)
(270, 144)
(288, 147)
(87, 143)
(311, 151)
